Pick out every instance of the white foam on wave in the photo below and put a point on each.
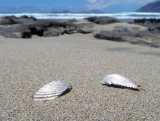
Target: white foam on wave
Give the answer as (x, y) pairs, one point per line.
(123, 15)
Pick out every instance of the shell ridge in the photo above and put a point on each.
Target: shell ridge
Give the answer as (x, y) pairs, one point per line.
(118, 80)
(51, 90)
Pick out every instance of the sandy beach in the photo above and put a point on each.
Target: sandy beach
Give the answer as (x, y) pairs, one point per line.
(81, 60)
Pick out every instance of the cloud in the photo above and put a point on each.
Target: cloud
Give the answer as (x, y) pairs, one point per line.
(100, 4)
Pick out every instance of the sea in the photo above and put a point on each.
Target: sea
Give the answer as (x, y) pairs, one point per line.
(123, 16)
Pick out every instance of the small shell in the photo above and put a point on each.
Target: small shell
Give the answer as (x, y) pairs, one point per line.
(51, 90)
(118, 80)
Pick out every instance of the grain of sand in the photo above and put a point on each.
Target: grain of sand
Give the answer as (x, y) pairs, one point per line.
(28, 64)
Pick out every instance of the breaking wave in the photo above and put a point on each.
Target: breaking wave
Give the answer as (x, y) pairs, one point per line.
(62, 16)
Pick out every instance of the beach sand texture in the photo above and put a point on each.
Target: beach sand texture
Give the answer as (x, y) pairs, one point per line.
(81, 60)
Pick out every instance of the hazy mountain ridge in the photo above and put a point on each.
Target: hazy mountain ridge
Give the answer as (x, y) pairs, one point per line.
(62, 9)
(92, 11)
(32, 9)
(150, 7)
(68, 11)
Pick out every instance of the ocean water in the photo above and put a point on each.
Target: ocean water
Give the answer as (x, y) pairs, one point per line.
(124, 16)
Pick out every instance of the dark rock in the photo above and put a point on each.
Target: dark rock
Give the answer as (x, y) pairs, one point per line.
(59, 24)
(147, 23)
(33, 18)
(158, 28)
(141, 20)
(141, 37)
(24, 16)
(117, 30)
(70, 29)
(141, 42)
(85, 28)
(26, 26)
(16, 27)
(40, 23)
(154, 29)
(115, 35)
(102, 20)
(53, 31)
(109, 36)
(44, 23)
(151, 28)
(38, 30)
(82, 28)
(7, 21)
(10, 17)
(26, 34)
(91, 19)
(7, 33)
(61, 29)
(24, 20)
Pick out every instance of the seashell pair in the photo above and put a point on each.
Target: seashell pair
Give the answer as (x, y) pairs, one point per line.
(57, 88)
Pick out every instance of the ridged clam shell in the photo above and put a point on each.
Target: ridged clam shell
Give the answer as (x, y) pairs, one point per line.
(51, 90)
(118, 80)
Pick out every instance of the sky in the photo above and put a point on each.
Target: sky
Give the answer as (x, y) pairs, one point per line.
(79, 5)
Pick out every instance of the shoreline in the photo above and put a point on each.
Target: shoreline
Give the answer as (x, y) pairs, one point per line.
(143, 31)
(121, 15)
(123, 20)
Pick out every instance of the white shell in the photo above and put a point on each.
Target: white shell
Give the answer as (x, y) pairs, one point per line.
(51, 90)
(118, 80)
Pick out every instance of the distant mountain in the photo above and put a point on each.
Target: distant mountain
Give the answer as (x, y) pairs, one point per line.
(63, 11)
(150, 7)
(92, 11)
(67, 11)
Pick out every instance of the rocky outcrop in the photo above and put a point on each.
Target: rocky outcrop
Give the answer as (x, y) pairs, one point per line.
(9, 31)
(142, 42)
(124, 35)
(25, 27)
(37, 30)
(85, 28)
(26, 34)
(147, 22)
(7, 21)
(115, 35)
(152, 24)
(71, 28)
(81, 28)
(50, 32)
(102, 20)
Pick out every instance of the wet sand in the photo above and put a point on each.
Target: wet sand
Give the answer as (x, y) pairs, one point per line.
(81, 60)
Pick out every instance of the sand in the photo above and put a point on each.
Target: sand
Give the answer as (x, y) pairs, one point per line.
(81, 60)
